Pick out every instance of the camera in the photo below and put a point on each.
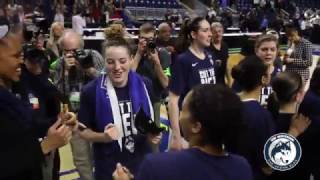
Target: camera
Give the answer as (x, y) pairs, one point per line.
(84, 58)
(151, 45)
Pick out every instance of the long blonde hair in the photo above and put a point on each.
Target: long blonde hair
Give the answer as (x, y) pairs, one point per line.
(51, 40)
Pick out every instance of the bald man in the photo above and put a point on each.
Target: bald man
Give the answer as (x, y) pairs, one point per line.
(70, 76)
(164, 37)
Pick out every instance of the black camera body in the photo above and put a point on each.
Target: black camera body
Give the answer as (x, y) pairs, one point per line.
(84, 58)
(151, 44)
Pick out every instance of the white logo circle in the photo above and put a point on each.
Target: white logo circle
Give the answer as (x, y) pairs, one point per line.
(282, 152)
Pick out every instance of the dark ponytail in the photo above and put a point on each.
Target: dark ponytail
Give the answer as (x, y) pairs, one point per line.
(184, 38)
(249, 72)
(285, 85)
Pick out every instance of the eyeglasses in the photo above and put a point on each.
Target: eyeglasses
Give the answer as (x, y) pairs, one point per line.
(68, 51)
(147, 39)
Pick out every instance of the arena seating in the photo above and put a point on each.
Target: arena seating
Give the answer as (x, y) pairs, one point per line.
(244, 4)
(307, 3)
(151, 9)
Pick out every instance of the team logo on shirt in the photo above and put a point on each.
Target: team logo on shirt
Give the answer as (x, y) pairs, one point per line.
(282, 152)
(207, 76)
(211, 59)
(265, 92)
(126, 112)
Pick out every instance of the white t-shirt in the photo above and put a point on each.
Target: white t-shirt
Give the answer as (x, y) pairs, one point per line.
(78, 23)
(59, 18)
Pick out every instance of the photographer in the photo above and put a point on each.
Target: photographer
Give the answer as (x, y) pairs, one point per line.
(77, 66)
(153, 63)
(73, 71)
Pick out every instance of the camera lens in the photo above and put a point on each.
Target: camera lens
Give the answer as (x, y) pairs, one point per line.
(151, 45)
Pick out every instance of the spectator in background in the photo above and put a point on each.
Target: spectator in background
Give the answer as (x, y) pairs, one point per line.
(20, 13)
(298, 57)
(152, 62)
(118, 9)
(264, 23)
(220, 52)
(164, 38)
(109, 9)
(59, 17)
(56, 32)
(96, 11)
(78, 21)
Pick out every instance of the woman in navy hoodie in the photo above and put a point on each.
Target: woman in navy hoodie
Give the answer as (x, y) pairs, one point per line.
(21, 151)
(252, 75)
(211, 117)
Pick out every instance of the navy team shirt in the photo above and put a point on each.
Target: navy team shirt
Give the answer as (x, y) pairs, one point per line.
(193, 164)
(106, 155)
(189, 71)
(266, 91)
(260, 127)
